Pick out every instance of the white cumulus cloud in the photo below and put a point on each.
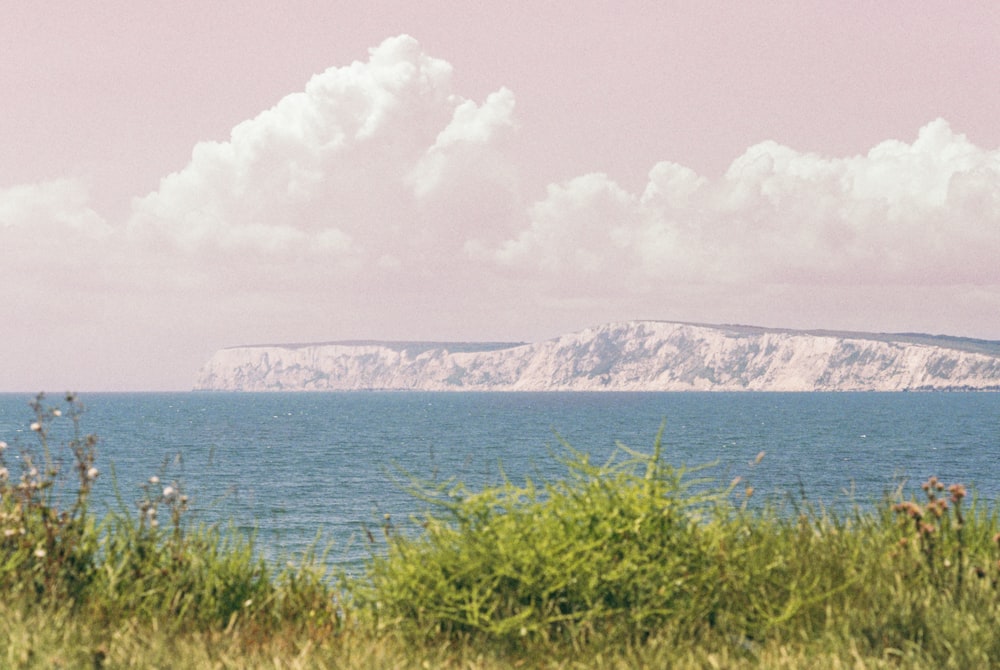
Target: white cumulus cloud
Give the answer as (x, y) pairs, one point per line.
(355, 171)
(923, 213)
(50, 229)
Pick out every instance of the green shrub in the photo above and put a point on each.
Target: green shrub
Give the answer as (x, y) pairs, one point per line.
(636, 550)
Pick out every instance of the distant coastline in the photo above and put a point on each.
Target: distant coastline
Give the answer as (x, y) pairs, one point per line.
(624, 356)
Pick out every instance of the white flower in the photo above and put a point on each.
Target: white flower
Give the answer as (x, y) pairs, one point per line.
(169, 491)
(57, 412)
(8, 532)
(40, 553)
(92, 473)
(154, 480)
(35, 426)
(3, 445)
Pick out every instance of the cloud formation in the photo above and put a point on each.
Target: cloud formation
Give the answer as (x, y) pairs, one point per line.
(340, 173)
(380, 168)
(925, 213)
(49, 228)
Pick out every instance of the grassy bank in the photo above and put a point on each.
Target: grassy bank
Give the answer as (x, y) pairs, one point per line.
(629, 563)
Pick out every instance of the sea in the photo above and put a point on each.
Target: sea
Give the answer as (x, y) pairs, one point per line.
(322, 470)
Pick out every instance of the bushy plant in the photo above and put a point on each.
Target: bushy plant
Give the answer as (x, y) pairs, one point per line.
(617, 548)
(635, 550)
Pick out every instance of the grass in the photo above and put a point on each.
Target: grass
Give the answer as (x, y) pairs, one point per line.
(623, 564)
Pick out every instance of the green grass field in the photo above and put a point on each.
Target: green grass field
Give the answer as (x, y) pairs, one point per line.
(625, 564)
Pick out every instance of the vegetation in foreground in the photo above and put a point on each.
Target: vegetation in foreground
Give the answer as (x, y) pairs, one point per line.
(630, 563)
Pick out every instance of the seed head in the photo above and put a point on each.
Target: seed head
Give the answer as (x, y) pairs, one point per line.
(92, 473)
(35, 426)
(957, 492)
(911, 509)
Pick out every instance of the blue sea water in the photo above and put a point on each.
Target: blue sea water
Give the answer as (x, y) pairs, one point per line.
(291, 466)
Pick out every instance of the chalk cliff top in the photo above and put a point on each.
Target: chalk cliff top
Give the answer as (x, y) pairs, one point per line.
(626, 356)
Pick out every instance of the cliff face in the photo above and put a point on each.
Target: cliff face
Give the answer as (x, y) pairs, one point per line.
(631, 356)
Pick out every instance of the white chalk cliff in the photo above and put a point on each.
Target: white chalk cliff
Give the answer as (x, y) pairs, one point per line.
(629, 356)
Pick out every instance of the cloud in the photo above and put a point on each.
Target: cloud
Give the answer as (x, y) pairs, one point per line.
(49, 229)
(924, 213)
(380, 175)
(357, 173)
(60, 205)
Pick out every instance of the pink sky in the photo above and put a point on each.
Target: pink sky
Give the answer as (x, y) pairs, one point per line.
(179, 178)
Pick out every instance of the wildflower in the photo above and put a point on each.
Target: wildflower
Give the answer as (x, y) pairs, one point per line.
(154, 480)
(3, 445)
(910, 508)
(9, 532)
(40, 553)
(4, 474)
(169, 491)
(57, 412)
(957, 492)
(35, 426)
(92, 473)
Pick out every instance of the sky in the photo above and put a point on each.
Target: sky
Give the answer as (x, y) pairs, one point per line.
(178, 178)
